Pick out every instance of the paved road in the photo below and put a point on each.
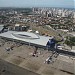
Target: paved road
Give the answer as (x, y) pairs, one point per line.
(10, 69)
(58, 51)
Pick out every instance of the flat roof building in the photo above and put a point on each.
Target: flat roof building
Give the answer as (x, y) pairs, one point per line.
(27, 37)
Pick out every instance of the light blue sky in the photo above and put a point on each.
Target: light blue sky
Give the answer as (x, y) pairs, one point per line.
(37, 3)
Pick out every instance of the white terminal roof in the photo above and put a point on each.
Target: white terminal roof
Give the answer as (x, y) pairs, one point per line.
(27, 37)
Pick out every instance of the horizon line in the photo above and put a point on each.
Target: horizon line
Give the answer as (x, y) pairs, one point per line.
(36, 7)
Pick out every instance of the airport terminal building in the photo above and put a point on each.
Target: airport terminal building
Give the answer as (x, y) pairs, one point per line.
(26, 37)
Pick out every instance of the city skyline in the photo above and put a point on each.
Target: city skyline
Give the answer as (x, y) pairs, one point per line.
(38, 3)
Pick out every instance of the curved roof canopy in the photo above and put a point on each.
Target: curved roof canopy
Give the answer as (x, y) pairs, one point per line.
(25, 35)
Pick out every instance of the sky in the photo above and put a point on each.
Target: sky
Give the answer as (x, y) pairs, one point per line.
(37, 3)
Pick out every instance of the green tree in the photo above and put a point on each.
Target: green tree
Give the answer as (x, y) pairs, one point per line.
(70, 41)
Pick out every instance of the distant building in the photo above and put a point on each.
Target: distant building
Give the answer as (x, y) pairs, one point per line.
(1, 27)
(16, 28)
(74, 15)
(19, 27)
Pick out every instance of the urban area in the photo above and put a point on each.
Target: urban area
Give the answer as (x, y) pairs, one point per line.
(37, 41)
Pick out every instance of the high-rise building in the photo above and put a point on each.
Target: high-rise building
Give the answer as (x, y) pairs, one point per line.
(74, 15)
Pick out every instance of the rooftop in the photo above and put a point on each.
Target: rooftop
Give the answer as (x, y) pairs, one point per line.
(27, 37)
